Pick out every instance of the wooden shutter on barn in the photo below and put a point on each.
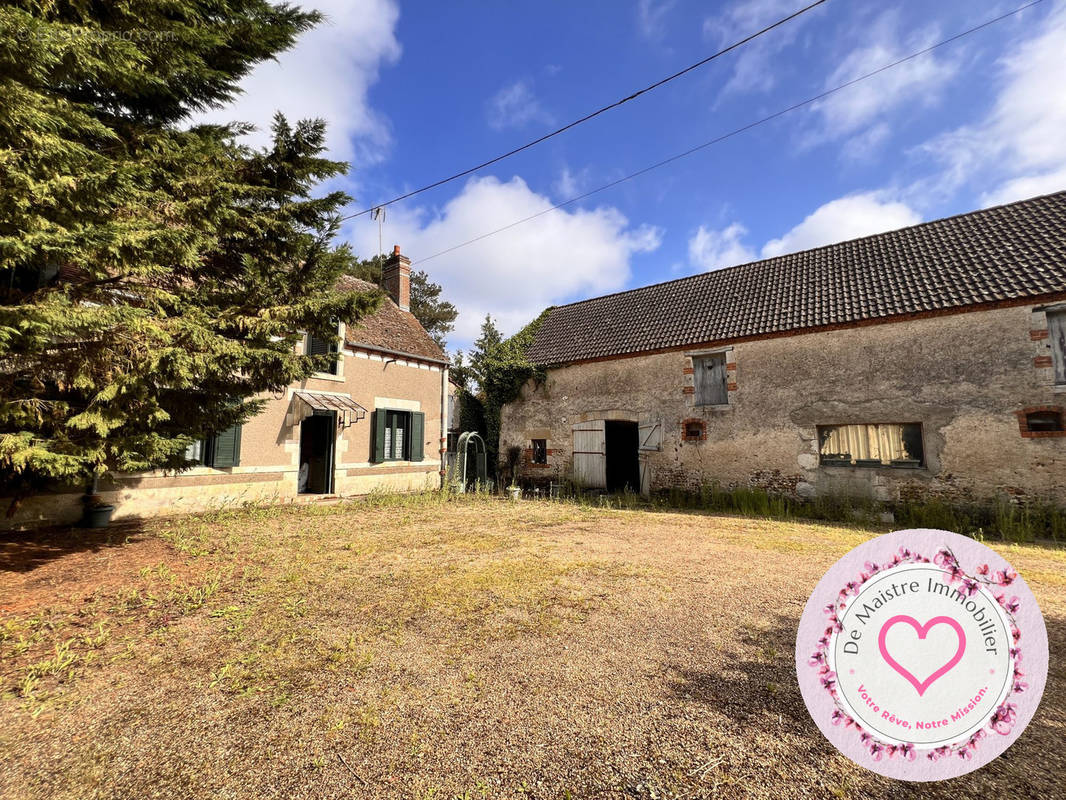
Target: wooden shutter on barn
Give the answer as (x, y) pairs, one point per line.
(651, 435)
(418, 436)
(1056, 324)
(710, 379)
(590, 454)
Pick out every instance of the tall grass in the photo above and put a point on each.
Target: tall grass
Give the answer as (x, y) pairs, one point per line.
(997, 518)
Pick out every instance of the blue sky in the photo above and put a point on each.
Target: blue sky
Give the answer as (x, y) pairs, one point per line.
(416, 91)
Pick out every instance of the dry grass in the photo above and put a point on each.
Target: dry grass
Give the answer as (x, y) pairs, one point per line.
(417, 648)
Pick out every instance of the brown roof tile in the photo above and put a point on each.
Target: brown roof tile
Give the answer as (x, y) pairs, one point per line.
(389, 328)
(1005, 253)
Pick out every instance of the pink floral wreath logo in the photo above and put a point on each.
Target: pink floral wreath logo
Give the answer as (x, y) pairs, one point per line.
(1002, 719)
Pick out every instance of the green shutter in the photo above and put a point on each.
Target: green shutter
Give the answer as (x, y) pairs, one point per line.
(226, 449)
(418, 431)
(318, 347)
(378, 443)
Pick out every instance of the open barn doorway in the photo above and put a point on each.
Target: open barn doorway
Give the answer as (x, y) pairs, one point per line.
(622, 444)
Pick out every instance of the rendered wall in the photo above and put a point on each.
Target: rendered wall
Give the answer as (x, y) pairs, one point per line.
(270, 451)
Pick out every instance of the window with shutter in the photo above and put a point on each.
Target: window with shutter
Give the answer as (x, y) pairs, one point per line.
(320, 347)
(1056, 324)
(223, 450)
(398, 435)
(709, 374)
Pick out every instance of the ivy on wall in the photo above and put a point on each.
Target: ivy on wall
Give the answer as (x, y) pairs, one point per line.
(500, 368)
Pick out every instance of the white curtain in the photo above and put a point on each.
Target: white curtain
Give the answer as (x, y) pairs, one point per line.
(883, 442)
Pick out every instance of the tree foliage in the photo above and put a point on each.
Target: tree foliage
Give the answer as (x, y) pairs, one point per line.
(500, 368)
(435, 314)
(154, 278)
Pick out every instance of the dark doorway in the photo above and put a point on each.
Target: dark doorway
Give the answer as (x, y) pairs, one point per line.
(316, 453)
(622, 441)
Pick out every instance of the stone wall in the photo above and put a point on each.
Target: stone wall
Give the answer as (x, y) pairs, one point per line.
(964, 377)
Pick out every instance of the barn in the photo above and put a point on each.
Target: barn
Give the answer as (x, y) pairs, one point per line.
(924, 361)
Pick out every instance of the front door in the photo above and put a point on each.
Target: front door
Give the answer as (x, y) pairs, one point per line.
(317, 436)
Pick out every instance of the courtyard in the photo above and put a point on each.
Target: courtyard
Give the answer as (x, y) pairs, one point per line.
(426, 647)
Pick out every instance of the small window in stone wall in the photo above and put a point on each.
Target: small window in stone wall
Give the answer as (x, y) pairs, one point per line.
(540, 451)
(1042, 421)
(693, 430)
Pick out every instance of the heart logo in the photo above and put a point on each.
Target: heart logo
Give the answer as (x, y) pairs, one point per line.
(921, 630)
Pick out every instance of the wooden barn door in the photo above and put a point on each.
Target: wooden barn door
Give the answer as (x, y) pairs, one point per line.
(590, 454)
(651, 440)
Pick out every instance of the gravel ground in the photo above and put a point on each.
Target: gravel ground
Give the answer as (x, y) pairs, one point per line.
(420, 649)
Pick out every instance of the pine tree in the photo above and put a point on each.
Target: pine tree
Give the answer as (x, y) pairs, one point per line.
(485, 347)
(154, 279)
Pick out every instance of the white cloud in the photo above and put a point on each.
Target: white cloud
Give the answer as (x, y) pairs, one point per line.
(515, 106)
(920, 81)
(712, 249)
(863, 146)
(651, 18)
(845, 218)
(1027, 186)
(753, 70)
(513, 275)
(1020, 145)
(570, 184)
(327, 74)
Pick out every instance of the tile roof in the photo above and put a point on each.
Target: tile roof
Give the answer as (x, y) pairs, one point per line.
(1005, 253)
(389, 328)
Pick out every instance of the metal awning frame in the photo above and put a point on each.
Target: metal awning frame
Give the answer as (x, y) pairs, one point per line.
(348, 411)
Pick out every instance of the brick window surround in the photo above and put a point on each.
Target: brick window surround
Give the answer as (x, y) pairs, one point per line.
(693, 430)
(688, 373)
(1023, 422)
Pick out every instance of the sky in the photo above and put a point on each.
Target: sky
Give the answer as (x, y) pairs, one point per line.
(414, 92)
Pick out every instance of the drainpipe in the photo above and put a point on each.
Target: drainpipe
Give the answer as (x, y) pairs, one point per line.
(443, 425)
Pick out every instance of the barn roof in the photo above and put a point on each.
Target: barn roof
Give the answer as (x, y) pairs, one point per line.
(1001, 254)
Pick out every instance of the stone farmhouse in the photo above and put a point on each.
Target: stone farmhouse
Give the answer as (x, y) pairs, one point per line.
(378, 420)
(928, 361)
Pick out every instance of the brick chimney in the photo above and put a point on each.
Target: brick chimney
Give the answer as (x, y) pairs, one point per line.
(396, 275)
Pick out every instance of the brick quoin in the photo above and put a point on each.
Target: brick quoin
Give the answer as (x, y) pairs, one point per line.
(689, 390)
(1042, 361)
(1036, 336)
(731, 386)
(688, 371)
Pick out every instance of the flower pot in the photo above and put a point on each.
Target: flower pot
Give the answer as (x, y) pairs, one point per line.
(514, 492)
(97, 516)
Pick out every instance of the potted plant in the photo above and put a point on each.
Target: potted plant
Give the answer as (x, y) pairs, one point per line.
(97, 512)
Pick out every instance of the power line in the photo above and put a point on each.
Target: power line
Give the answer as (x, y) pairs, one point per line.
(587, 117)
(737, 131)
